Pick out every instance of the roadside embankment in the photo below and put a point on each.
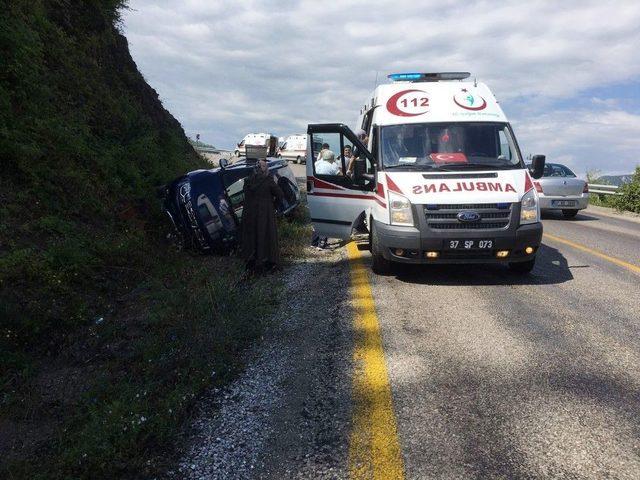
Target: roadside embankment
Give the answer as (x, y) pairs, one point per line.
(106, 334)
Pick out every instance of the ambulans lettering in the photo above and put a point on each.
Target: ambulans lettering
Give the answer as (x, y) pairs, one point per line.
(463, 187)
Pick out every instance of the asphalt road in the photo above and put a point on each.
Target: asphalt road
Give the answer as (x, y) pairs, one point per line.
(444, 371)
(496, 376)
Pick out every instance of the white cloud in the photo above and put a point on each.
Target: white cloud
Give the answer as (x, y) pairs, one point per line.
(226, 68)
(597, 138)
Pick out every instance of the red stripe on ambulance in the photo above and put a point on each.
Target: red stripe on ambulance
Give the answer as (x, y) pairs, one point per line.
(317, 183)
(391, 185)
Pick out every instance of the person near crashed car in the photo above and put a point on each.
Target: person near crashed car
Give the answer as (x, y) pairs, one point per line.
(260, 248)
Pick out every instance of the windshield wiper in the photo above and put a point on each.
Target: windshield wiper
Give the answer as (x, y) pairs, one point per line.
(409, 165)
(477, 165)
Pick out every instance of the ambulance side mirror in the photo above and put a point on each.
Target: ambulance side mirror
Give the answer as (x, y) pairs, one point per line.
(537, 166)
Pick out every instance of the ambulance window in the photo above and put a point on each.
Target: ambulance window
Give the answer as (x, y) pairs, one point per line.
(327, 154)
(374, 149)
(366, 121)
(504, 149)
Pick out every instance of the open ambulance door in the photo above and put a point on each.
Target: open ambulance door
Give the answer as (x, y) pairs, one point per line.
(337, 197)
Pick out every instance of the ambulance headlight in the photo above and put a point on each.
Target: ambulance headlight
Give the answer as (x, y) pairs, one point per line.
(529, 212)
(400, 209)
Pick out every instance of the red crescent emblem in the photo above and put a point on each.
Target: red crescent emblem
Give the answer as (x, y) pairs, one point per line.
(392, 104)
(480, 107)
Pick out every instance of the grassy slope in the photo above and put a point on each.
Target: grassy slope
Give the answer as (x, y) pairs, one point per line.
(102, 347)
(83, 140)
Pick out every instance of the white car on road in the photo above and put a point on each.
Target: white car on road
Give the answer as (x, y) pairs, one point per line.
(560, 189)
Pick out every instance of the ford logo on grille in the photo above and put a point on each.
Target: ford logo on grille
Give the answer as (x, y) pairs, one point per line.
(469, 217)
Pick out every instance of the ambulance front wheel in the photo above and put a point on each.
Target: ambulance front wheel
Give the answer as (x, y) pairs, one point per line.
(379, 264)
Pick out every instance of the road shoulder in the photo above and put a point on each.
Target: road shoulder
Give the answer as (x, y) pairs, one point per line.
(612, 212)
(288, 414)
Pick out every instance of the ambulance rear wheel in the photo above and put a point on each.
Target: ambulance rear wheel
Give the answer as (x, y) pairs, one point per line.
(379, 264)
(297, 159)
(523, 268)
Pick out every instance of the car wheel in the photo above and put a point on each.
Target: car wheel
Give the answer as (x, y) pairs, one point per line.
(379, 265)
(523, 267)
(569, 213)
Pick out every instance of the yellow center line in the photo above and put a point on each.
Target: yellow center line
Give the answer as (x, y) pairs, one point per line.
(374, 448)
(617, 261)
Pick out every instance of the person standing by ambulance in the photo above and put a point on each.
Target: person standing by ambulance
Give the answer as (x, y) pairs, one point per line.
(260, 248)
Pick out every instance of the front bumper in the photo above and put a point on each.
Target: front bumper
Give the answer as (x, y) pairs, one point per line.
(547, 202)
(415, 244)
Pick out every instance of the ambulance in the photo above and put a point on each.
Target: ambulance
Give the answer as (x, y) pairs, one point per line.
(435, 175)
(259, 140)
(294, 148)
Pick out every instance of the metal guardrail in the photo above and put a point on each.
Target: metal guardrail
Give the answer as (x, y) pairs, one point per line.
(604, 189)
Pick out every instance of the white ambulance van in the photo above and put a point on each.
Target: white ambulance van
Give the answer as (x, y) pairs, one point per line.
(438, 178)
(294, 148)
(258, 140)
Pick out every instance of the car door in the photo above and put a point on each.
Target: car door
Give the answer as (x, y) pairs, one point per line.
(336, 200)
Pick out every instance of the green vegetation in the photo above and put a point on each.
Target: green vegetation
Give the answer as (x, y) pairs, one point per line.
(102, 347)
(629, 200)
(124, 384)
(84, 141)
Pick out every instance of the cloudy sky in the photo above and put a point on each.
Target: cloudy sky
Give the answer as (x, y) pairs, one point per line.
(567, 74)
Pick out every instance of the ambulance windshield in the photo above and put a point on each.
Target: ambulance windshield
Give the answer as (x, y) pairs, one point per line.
(459, 145)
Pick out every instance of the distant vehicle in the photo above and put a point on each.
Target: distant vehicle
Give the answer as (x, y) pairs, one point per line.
(294, 148)
(560, 189)
(259, 140)
(205, 206)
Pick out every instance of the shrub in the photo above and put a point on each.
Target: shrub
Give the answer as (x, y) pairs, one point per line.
(630, 198)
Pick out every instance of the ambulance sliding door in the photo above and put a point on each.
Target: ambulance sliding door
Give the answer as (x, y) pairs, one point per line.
(335, 196)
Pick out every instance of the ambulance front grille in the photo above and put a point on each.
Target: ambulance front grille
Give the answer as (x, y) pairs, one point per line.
(493, 216)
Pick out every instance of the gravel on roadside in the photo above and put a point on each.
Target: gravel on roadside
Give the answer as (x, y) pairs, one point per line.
(288, 414)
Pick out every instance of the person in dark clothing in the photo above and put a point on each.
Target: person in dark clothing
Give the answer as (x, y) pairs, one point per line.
(259, 230)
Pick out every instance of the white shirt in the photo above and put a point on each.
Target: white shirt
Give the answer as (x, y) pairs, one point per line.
(327, 168)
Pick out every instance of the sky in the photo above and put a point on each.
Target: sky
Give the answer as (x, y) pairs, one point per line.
(567, 74)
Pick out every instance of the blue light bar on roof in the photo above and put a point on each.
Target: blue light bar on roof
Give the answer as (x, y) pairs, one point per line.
(428, 77)
(396, 77)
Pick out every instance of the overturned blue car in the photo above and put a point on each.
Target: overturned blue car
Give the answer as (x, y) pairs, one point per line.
(205, 206)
